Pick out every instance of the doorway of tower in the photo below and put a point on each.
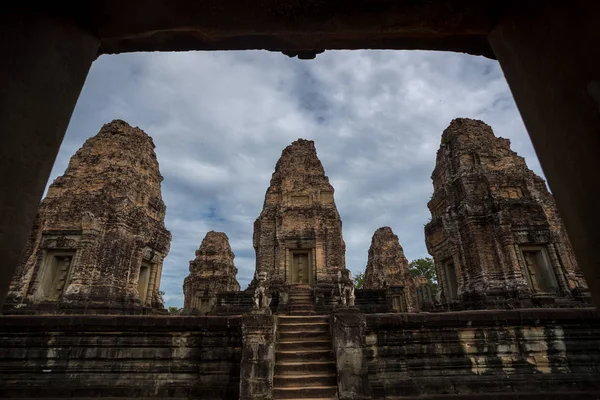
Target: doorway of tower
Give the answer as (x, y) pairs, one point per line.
(301, 268)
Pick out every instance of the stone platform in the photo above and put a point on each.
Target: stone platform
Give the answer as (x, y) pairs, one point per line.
(524, 354)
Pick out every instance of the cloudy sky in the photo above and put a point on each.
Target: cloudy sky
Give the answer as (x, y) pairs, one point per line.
(221, 119)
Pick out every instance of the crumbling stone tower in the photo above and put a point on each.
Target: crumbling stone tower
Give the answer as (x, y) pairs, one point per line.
(99, 238)
(298, 235)
(387, 268)
(211, 272)
(495, 233)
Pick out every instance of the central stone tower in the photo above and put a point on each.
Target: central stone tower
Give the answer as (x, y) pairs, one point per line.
(298, 235)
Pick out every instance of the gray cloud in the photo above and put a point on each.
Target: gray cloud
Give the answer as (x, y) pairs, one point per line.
(220, 120)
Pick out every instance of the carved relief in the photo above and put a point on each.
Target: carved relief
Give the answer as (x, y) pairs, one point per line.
(387, 267)
(211, 272)
(300, 200)
(494, 202)
(284, 228)
(98, 207)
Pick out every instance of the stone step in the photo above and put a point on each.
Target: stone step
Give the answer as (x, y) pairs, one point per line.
(313, 398)
(301, 309)
(304, 355)
(301, 303)
(315, 344)
(302, 335)
(304, 327)
(302, 313)
(300, 320)
(314, 392)
(305, 380)
(305, 368)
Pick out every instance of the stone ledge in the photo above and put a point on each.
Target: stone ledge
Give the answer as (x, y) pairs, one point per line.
(457, 319)
(108, 323)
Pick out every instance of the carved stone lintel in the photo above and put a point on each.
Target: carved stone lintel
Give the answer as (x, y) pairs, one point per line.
(59, 242)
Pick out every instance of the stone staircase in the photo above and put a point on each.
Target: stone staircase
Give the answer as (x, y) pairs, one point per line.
(305, 365)
(300, 301)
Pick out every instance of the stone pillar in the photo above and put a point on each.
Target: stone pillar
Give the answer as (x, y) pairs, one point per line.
(42, 72)
(258, 357)
(550, 55)
(348, 336)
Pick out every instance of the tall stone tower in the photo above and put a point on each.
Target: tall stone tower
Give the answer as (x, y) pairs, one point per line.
(298, 235)
(495, 233)
(99, 238)
(211, 272)
(387, 265)
(387, 268)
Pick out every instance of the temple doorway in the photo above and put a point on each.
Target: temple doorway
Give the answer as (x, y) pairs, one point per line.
(301, 270)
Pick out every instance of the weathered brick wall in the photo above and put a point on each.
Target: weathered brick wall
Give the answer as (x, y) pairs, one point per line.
(529, 353)
(483, 353)
(120, 356)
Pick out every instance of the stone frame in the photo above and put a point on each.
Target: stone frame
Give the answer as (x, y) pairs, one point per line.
(310, 253)
(48, 256)
(53, 242)
(443, 279)
(299, 245)
(546, 239)
(153, 258)
(548, 267)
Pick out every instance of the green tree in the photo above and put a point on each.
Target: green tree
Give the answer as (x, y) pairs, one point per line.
(359, 280)
(425, 267)
(173, 310)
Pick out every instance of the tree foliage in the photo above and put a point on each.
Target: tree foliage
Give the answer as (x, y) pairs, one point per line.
(173, 310)
(425, 267)
(359, 280)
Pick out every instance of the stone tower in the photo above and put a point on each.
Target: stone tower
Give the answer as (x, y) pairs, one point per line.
(495, 232)
(99, 238)
(298, 235)
(387, 268)
(211, 272)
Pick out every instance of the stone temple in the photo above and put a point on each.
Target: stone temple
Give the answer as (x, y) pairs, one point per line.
(99, 239)
(298, 235)
(512, 319)
(211, 272)
(495, 233)
(387, 268)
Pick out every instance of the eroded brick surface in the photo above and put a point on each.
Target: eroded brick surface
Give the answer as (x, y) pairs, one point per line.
(495, 233)
(211, 272)
(299, 216)
(99, 239)
(387, 267)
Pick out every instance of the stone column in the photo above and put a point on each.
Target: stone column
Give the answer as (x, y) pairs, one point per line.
(42, 72)
(258, 357)
(550, 55)
(348, 337)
